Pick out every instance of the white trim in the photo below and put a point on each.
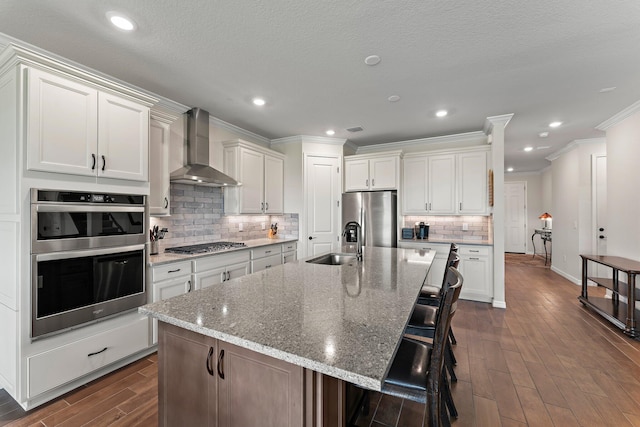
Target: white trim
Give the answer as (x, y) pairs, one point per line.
(622, 115)
(572, 145)
(477, 136)
(516, 174)
(235, 129)
(374, 155)
(350, 145)
(503, 119)
(566, 276)
(308, 138)
(499, 304)
(526, 211)
(162, 116)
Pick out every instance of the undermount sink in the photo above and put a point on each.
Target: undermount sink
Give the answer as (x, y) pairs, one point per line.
(333, 259)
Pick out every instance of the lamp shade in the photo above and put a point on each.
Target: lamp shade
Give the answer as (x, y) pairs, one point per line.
(545, 216)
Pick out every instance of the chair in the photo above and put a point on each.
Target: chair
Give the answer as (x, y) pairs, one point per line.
(417, 371)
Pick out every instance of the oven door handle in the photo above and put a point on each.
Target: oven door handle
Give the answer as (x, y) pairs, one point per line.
(85, 253)
(88, 208)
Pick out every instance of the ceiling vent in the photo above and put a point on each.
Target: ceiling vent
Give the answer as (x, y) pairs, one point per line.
(355, 129)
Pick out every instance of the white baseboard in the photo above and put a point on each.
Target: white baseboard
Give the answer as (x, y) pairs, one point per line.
(567, 276)
(499, 304)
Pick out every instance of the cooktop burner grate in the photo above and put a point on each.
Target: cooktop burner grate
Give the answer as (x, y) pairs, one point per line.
(205, 247)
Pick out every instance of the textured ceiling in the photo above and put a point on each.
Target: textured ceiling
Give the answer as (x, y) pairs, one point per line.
(543, 61)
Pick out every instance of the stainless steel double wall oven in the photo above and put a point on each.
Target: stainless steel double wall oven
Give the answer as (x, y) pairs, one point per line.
(87, 257)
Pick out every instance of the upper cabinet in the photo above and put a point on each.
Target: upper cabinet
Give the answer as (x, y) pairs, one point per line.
(372, 172)
(260, 172)
(76, 128)
(159, 140)
(445, 184)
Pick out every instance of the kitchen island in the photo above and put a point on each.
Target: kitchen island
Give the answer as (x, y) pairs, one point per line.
(277, 347)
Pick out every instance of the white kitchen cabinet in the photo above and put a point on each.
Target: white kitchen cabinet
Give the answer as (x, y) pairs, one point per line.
(168, 281)
(159, 140)
(472, 180)
(265, 257)
(476, 269)
(445, 184)
(372, 172)
(77, 129)
(216, 269)
(261, 173)
(289, 252)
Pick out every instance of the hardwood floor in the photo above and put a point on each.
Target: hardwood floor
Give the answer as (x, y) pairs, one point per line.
(544, 361)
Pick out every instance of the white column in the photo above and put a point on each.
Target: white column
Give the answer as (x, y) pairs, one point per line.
(494, 128)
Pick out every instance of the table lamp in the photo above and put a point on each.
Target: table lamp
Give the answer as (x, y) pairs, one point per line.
(545, 217)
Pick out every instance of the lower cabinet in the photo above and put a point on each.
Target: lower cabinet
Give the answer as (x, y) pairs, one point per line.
(216, 269)
(289, 252)
(168, 281)
(265, 257)
(476, 267)
(206, 382)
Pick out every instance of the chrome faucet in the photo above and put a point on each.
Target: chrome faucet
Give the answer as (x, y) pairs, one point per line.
(353, 233)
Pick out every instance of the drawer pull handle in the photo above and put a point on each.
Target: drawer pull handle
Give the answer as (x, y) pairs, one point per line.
(104, 162)
(97, 352)
(475, 259)
(267, 266)
(228, 275)
(174, 271)
(93, 165)
(267, 252)
(221, 364)
(471, 250)
(189, 288)
(209, 368)
(166, 203)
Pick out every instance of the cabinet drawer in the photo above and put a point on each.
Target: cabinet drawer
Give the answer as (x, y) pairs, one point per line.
(287, 247)
(267, 262)
(438, 247)
(169, 271)
(265, 251)
(474, 250)
(63, 364)
(217, 261)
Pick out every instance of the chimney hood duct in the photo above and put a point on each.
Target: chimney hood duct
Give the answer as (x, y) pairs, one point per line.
(197, 170)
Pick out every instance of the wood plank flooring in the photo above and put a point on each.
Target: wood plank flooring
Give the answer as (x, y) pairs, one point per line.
(544, 361)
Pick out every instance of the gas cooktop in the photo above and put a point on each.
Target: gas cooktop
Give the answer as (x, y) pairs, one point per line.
(202, 248)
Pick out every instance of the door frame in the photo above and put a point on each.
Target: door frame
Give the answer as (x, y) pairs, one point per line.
(594, 209)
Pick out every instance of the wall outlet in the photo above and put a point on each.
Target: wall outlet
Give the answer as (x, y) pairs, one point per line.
(240, 227)
(264, 226)
(465, 226)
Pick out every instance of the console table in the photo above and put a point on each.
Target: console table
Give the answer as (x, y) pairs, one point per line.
(621, 314)
(545, 235)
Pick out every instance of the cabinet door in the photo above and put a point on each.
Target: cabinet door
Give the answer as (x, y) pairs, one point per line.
(356, 175)
(476, 271)
(210, 278)
(187, 378)
(238, 270)
(289, 257)
(414, 186)
(273, 185)
(123, 138)
(383, 173)
(271, 388)
(252, 179)
(158, 168)
(441, 184)
(168, 289)
(267, 262)
(472, 183)
(62, 124)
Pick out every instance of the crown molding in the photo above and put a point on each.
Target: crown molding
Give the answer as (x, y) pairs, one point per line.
(309, 138)
(573, 145)
(238, 130)
(491, 121)
(477, 136)
(350, 145)
(622, 115)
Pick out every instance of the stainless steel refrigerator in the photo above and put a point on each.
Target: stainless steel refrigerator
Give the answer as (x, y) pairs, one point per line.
(376, 212)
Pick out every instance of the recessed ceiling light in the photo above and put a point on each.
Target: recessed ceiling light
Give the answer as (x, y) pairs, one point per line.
(393, 98)
(528, 149)
(543, 134)
(330, 132)
(121, 21)
(259, 102)
(607, 89)
(554, 124)
(509, 169)
(441, 113)
(372, 60)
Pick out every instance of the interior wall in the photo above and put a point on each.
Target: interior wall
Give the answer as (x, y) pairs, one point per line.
(623, 176)
(535, 204)
(547, 190)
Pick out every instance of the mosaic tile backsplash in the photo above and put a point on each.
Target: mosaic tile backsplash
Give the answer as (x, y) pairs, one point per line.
(197, 215)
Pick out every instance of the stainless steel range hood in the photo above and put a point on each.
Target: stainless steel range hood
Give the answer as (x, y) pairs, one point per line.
(197, 170)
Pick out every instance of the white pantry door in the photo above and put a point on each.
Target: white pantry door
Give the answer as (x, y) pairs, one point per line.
(599, 209)
(515, 224)
(322, 198)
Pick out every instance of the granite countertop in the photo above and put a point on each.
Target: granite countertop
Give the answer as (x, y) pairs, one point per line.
(166, 257)
(343, 321)
(486, 242)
